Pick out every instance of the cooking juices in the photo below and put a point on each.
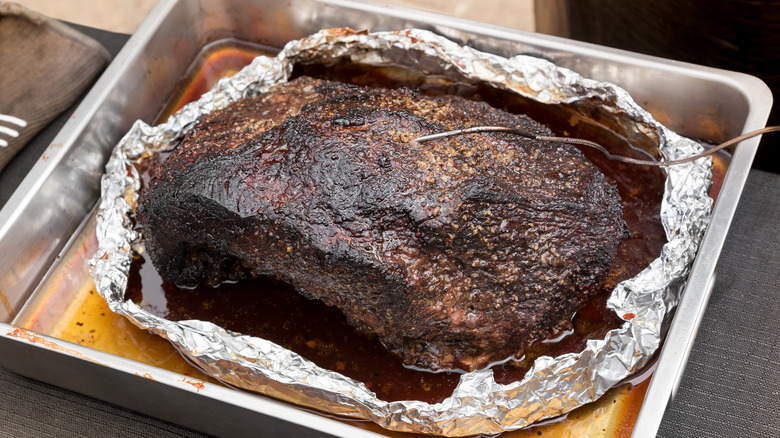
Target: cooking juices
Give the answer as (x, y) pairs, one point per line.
(271, 309)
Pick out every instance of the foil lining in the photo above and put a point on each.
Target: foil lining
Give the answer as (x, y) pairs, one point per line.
(478, 405)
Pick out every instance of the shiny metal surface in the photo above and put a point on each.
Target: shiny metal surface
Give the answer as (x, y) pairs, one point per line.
(478, 405)
(204, 406)
(61, 189)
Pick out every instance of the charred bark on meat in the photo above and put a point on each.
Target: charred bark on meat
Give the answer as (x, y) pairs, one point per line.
(455, 253)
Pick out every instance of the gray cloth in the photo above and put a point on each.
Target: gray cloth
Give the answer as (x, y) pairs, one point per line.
(45, 66)
(731, 386)
(34, 409)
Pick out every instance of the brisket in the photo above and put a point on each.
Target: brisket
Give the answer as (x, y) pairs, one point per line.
(454, 253)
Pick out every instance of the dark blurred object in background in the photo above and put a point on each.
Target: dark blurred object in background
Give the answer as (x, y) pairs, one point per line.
(738, 35)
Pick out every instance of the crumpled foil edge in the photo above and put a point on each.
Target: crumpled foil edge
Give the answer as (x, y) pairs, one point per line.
(478, 405)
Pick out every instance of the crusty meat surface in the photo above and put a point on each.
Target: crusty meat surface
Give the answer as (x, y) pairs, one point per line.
(455, 253)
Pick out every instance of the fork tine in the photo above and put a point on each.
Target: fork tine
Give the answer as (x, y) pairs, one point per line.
(11, 119)
(8, 131)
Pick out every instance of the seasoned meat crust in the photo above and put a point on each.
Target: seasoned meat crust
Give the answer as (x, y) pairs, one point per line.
(454, 253)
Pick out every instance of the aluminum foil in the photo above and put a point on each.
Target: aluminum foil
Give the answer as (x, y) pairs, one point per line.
(478, 405)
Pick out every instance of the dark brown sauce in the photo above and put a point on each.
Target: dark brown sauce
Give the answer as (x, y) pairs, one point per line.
(272, 310)
(216, 60)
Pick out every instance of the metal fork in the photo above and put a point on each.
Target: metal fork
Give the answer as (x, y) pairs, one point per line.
(10, 120)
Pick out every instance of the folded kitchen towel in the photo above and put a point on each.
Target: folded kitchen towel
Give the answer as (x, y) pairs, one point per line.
(45, 66)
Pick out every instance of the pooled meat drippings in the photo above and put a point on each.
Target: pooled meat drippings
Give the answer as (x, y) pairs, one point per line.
(455, 253)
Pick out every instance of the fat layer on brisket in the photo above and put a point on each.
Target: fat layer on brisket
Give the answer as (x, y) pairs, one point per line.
(454, 253)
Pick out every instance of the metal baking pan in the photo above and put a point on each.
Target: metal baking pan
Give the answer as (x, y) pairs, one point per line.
(42, 219)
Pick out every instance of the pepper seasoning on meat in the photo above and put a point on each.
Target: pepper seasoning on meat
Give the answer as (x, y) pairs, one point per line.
(455, 253)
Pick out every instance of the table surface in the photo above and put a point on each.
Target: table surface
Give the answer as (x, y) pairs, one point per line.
(730, 388)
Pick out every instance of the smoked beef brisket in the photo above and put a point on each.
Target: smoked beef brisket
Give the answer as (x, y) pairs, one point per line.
(455, 253)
